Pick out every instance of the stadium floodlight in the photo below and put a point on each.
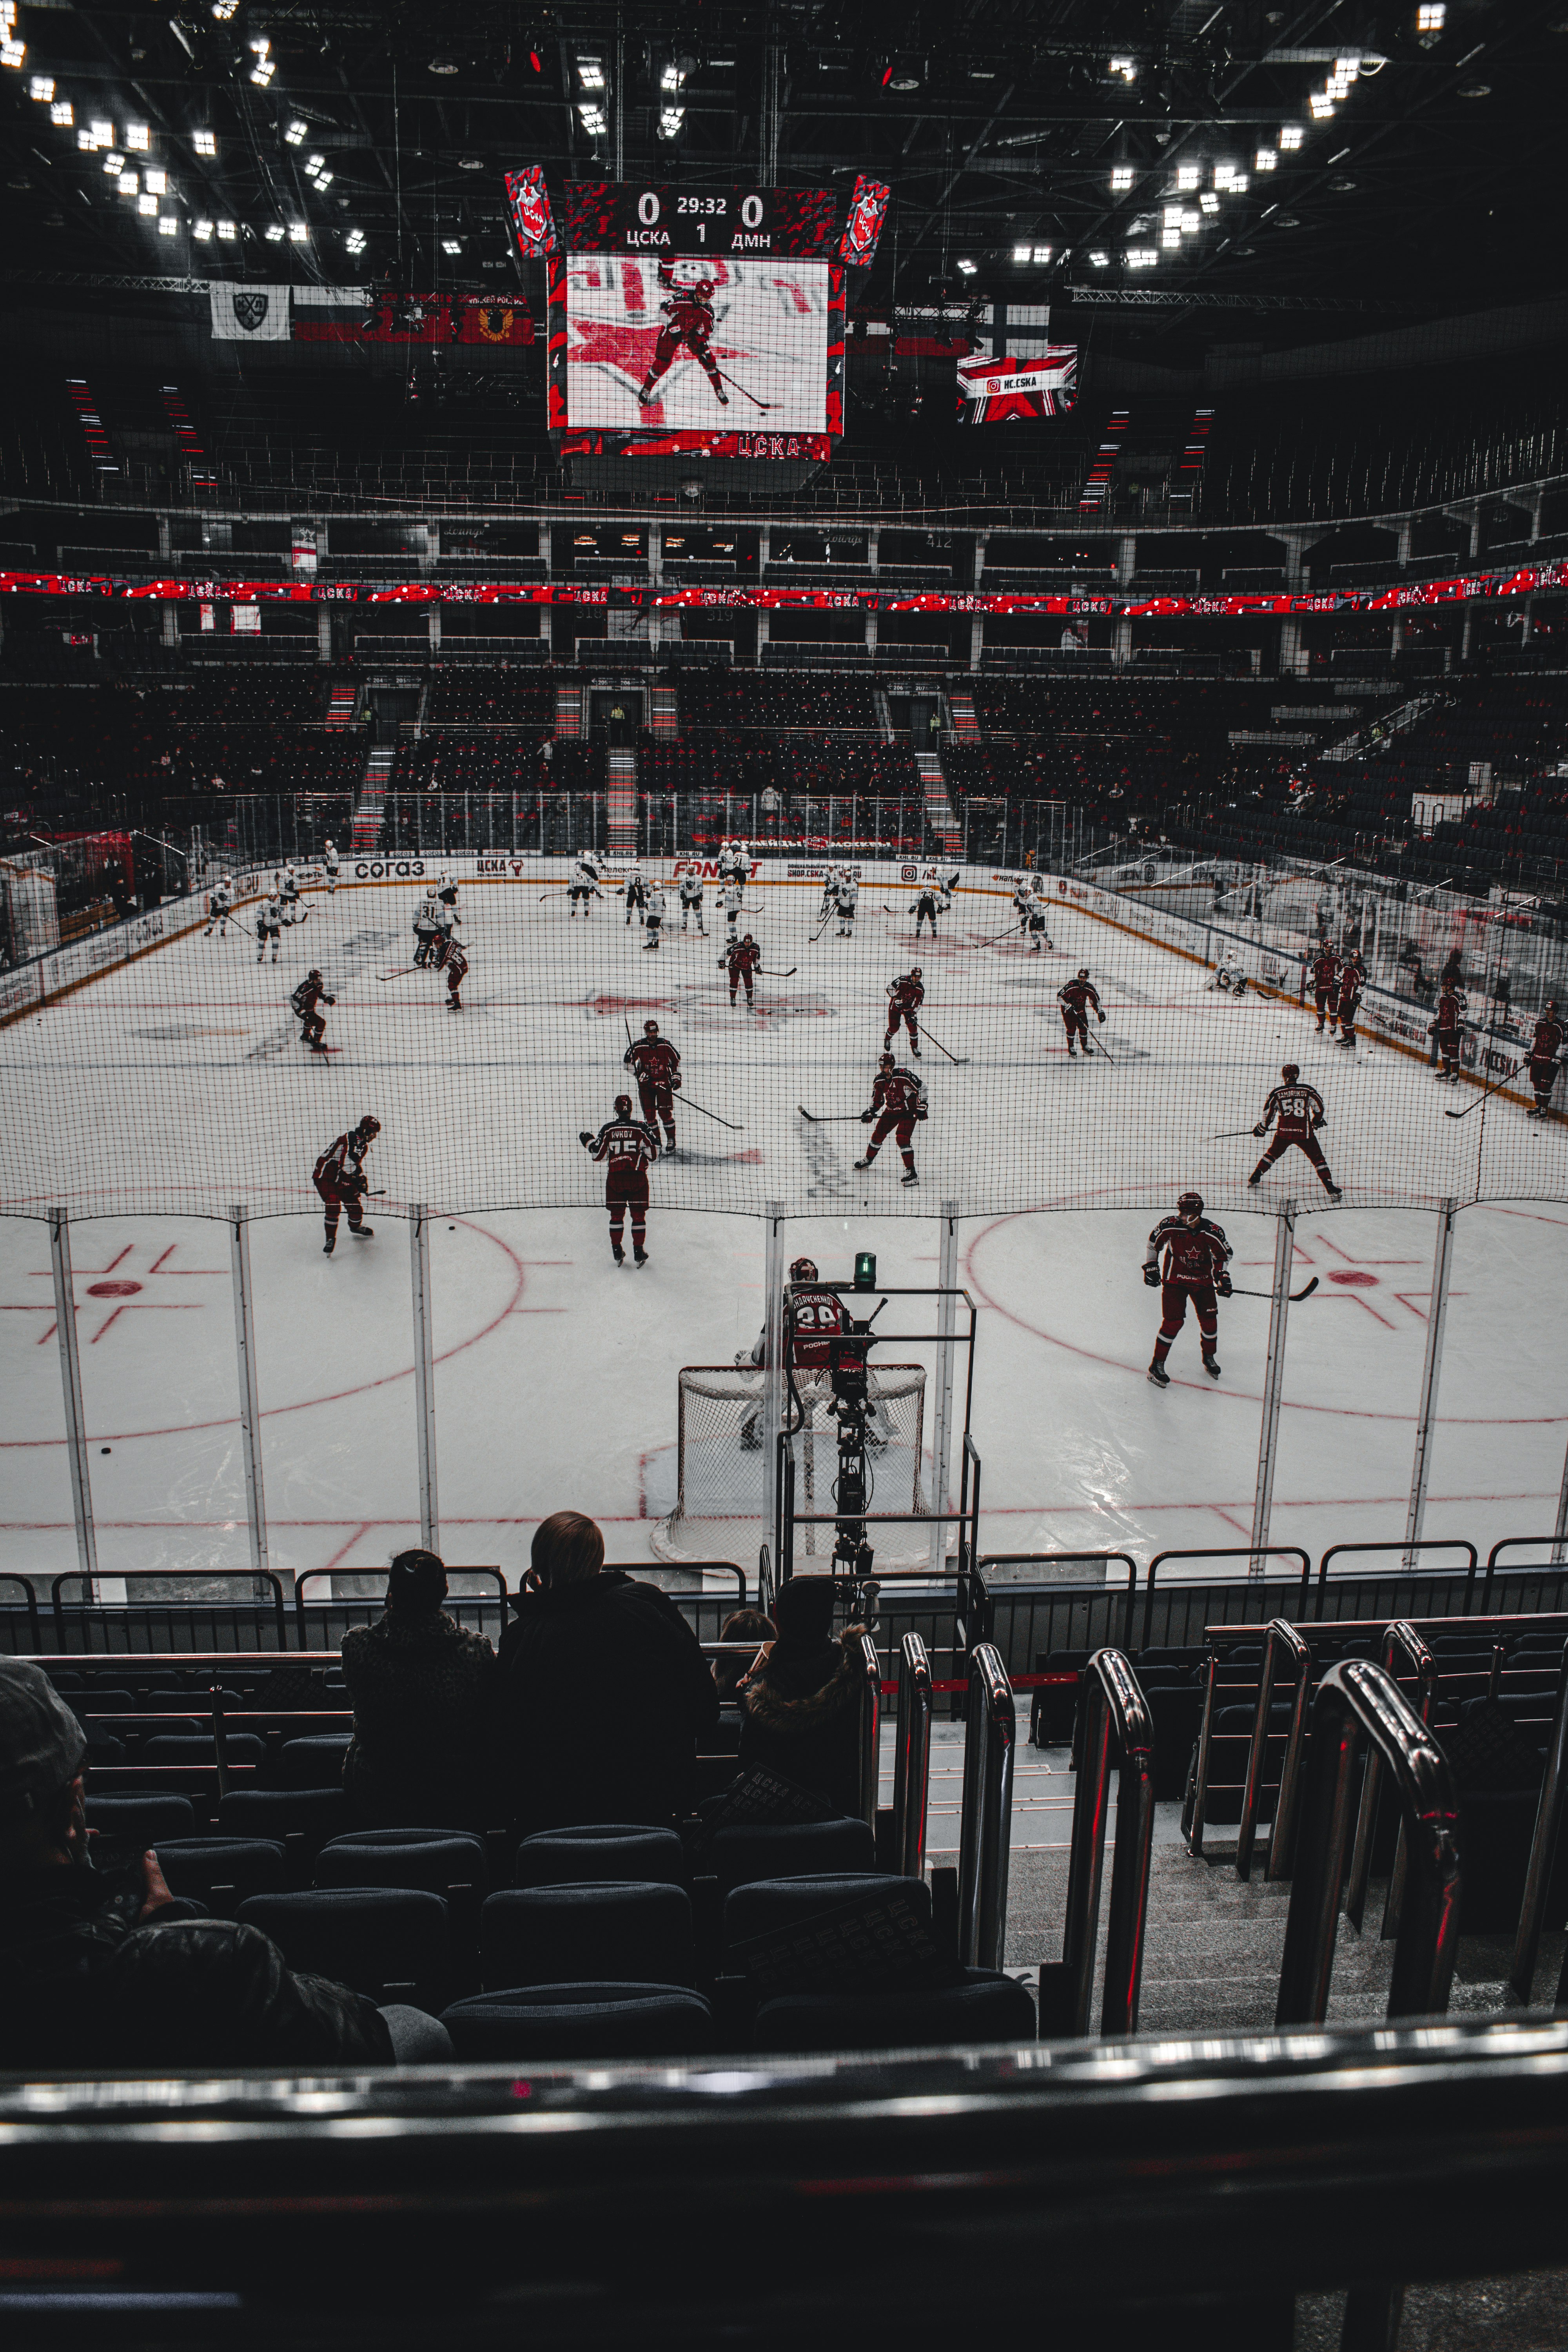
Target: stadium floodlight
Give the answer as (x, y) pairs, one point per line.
(147, 206)
(1169, 238)
(203, 143)
(1121, 178)
(60, 112)
(295, 135)
(591, 72)
(1043, 253)
(1191, 223)
(41, 87)
(1142, 256)
(1430, 19)
(298, 232)
(354, 241)
(12, 51)
(128, 184)
(314, 163)
(266, 65)
(275, 235)
(202, 231)
(1322, 106)
(1208, 202)
(325, 180)
(103, 134)
(167, 224)
(595, 120)
(671, 77)
(114, 164)
(1224, 174)
(223, 9)
(1173, 215)
(451, 245)
(158, 182)
(1188, 175)
(1266, 160)
(1127, 67)
(138, 138)
(1021, 252)
(1290, 137)
(226, 232)
(670, 118)
(1240, 184)
(1101, 260)
(968, 268)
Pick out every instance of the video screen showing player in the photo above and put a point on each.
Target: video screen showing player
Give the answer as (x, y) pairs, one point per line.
(695, 344)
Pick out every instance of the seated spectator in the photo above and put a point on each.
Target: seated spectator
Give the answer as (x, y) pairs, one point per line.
(423, 1689)
(801, 1700)
(605, 1690)
(101, 1967)
(744, 1625)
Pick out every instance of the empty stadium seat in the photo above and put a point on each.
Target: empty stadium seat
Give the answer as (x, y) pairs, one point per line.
(606, 2019)
(300, 1820)
(557, 1935)
(389, 1942)
(222, 1873)
(792, 1850)
(314, 1763)
(613, 1850)
(182, 1748)
(443, 1861)
(143, 1821)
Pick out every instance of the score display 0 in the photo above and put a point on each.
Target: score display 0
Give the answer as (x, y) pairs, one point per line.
(622, 218)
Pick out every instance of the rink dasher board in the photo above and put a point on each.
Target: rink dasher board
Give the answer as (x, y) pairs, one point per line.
(60, 972)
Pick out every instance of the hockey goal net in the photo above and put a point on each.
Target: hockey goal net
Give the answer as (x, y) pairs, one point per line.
(717, 1511)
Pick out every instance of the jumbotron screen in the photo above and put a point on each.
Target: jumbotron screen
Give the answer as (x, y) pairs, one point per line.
(708, 322)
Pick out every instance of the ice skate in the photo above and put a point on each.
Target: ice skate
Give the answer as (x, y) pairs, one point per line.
(913, 1177)
(640, 1257)
(617, 1253)
(329, 1245)
(1159, 1375)
(1210, 1367)
(863, 1163)
(362, 1232)
(1334, 1191)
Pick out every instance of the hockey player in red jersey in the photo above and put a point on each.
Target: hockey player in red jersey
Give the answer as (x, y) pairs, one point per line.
(627, 1150)
(339, 1177)
(654, 1063)
(1075, 1000)
(743, 957)
(1295, 1112)
(905, 997)
(1186, 1258)
(1544, 1047)
(898, 1103)
(306, 998)
(813, 1319)
(1446, 1030)
(1352, 980)
(1326, 985)
(688, 324)
(455, 964)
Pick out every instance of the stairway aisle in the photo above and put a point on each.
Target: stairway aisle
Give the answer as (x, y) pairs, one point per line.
(371, 804)
(939, 808)
(621, 812)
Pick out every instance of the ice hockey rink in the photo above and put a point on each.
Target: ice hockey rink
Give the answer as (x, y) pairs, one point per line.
(178, 1081)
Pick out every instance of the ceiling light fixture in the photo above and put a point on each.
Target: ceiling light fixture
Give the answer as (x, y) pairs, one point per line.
(1021, 252)
(298, 232)
(147, 206)
(1121, 178)
(1042, 254)
(968, 268)
(203, 141)
(1187, 175)
(1126, 68)
(1101, 260)
(41, 87)
(167, 225)
(595, 120)
(275, 235)
(60, 112)
(1142, 256)
(591, 73)
(451, 245)
(1290, 138)
(202, 232)
(228, 231)
(295, 135)
(670, 118)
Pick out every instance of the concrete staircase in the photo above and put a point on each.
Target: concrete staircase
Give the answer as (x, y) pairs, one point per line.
(961, 707)
(621, 809)
(939, 808)
(342, 705)
(371, 804)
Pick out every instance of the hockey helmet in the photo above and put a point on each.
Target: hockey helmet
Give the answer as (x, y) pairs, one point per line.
(330, 842)
(1290, 1073)
(622, 1106)
(1083, 971)
(748, 940)
(313, 973)
(369, 1125)
(1191, 1204)
(1550, 1005)
(803, 1269)
(650, 1028)
(915, 971)
(885, 1062)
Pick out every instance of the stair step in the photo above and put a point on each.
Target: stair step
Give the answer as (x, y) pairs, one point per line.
(621, 801)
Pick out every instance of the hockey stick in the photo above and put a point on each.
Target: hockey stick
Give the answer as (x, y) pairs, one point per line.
(735, 1125)
(765, 405)
(1512, 1072)
(398, 973)
(769, 973)
(1296, 1296)
(828, 1118)
(960, 1058)
(1226, 1134)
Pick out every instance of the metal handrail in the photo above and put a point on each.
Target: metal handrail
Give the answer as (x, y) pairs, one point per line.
(990, 1739)
(9, 1576)
(974, 1581)
(912, 1769)
(1543, 1853)
(1558, 1566)
(170, 1575)
(1227, 1551)
(1423, 1543)
(1111, 1703)
(1398, 1637)
(870, 1729)
(1358, 1701)
(311, 1575)
(1279, 1639)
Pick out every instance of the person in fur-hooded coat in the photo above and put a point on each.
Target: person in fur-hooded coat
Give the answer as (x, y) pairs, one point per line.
(802, 1699)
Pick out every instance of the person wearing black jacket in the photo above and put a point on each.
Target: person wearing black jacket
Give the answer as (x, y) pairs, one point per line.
(101, 1967)
(801, 1702)
(606, 1694)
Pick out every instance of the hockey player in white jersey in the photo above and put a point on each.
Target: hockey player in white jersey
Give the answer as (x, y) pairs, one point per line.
(636, 893)
(726, 861)
(1023, 901)
(691, 900)
(734, 899)
(830, 876)
(291, 893)
(741, 861)
(1230, 979)
(269, 926)
(330, 860)
(426, 929)
(583, 885)
(1038, 936)
(848, 895)
(655, 916)
(446, 918)
(220, 906)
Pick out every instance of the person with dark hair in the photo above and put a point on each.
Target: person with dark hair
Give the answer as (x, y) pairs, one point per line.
(605, 1691)
(424, 1690)
(101, 1967)
(740, 1625)
(801, 1700)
